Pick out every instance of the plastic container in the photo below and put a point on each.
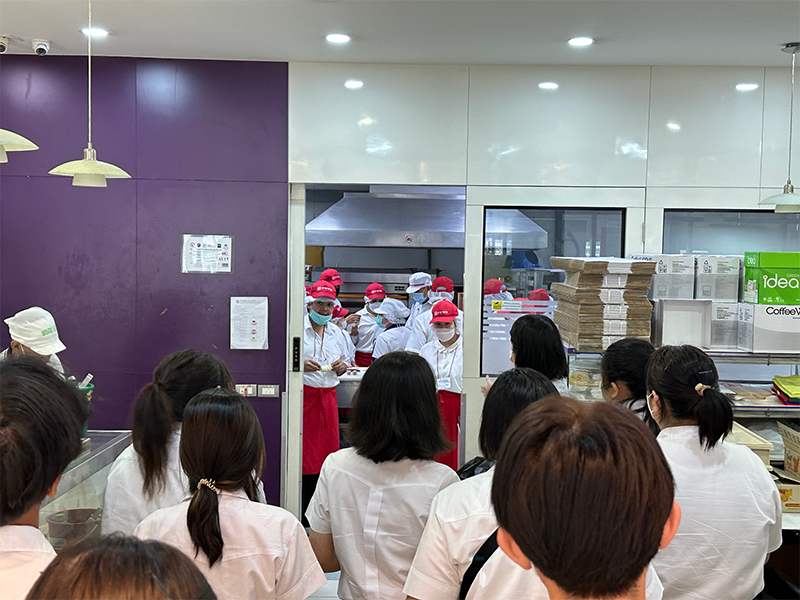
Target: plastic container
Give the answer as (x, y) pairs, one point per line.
(73, 525)
(584, 378)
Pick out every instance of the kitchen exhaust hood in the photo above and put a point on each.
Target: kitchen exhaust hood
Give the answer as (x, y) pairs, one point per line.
(415, 217)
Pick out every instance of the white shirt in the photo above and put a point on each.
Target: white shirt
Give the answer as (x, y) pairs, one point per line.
(325, 350)
(53, 362)
(561, 386)
(447, 364)
(422, 332)
(417, 309)
(461, 520)
(349, 346)
(266, 552)
(730, 520)
(367, 331)
(24, 554)
(392, 340)
(376, 513)
(124, 502)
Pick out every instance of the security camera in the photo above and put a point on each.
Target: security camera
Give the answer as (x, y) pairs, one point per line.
(4, 41)
(41, 47)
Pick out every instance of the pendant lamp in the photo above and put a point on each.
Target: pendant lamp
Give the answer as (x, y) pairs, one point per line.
(13, 142)
(90, 172)
(788, 201)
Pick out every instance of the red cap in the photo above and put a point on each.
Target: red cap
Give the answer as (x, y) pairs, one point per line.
(539, 295)
(308, 290)
(493, 286)
(339, 312)
(444, 311)
(375, 291)
(442, 284)
(331, 275)
(323, 289)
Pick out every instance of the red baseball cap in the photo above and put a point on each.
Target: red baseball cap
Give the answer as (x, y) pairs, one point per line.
(375, 291)
(323, 289)
(493, 286)
(442, 284)
(444, 311)
(331, 275)
(308, 290)
(339, 312)
(539, 295)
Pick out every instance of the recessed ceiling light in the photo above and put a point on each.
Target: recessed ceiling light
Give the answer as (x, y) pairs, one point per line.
(747, 87)
(94, 31)
(673, 127)
(581, 41)
(337, 38)
(548, 85)
(353, 84)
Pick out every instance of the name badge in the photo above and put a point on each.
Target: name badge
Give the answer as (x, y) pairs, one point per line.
(443, 383)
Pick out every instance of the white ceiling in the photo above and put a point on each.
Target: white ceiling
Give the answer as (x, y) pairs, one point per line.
(628, 32)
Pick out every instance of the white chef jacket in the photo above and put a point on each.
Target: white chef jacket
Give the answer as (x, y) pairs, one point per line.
(391, 340)
(422, 332)
(376, 513)
(446, 363)
(266, 552)
(730, 520)
(367, 331)
(124, 502)
(461, 520)
(325, 350)
(24, 554)
(348, 343)
(417, 309)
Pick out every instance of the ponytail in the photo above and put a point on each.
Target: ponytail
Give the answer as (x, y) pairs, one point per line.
(714, 415)
(152, 426)
(202, 520)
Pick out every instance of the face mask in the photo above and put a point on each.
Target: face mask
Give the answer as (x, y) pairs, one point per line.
(418, 297)
(650, 408)
(511, 358)
(375, 305)
(318, 318)
(381, 323)
(445, 335)
(436, 296)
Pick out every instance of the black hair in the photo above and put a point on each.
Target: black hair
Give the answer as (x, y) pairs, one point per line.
(41, 418)
(223, 445)
(626, 361)
(159, 408)
(685, 379)
(509, 395)
(396, 411)
(537, 344)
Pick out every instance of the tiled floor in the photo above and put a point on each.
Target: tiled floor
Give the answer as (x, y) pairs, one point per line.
(328, 591)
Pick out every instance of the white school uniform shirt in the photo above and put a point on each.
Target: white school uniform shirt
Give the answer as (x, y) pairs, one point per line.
(376, 513)
(561, 386)
(422, 332)
(730, 520)
(392, 340)
(447, 364)
(24, 554)
(124, 502)
(461, 520)
(266, 552)
(326, 350)
(367, 331)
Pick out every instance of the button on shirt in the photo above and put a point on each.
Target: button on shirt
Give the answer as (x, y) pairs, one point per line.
(730, 520)
(392, 340)
(24, 554)
(461, 520)
(266, 552)
(447, 363)
(376, 513)
(325, 350)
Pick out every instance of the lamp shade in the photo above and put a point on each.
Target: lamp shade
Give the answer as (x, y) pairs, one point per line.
(13, 142)
(89, 172)
(787, 202)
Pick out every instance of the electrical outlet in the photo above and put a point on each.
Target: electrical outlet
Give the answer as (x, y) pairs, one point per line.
(268, 391)
(248, 390)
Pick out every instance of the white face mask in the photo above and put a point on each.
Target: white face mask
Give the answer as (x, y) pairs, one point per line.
(650, 408)
(445, 335)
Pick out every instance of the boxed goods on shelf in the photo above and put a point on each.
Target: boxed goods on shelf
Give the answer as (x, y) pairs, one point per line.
(679, 322)
(789, 489)
(674, 275)
(584, 378)
(744, 437)
(791, 447)
(772, 278)
(721, 330)
(768, 328)
(717, 277)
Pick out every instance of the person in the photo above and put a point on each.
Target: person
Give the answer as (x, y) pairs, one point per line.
(724, 490)
(339, 318)
(33, 332)
(244, 548)
(367, 326)
(622, 370)
(324, 353)
(422, 331)
(536, 343)
(332, 276)
(147, 475)
(494, 289)
(565, 468)
(390, 320)
(116, 566)
(41, 417)
(373, 498)
(445, 355)
(419, 286)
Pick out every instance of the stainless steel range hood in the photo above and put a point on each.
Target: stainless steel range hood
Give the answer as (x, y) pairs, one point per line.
(415, 217)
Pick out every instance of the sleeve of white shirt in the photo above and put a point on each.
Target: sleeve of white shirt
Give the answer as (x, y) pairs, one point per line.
(432, 574)
(318, 511)
(775, 530)
(381, 347)
(300, 574)
(418, 336)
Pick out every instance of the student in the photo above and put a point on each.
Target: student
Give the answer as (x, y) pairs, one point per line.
(367, 325)
(391, 319)
(244, 548)
(622, 371)
(421, 330)
(373, 498)
(33, 332)
(147, 475)
(41, 417)
(731, 508)
(121, 567)
(536, 343)
(584, 496)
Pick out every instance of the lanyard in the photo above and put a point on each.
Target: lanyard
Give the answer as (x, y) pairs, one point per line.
(455, 352)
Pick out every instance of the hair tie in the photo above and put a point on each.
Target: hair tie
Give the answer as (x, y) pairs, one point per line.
(700, 388)
(209, 483)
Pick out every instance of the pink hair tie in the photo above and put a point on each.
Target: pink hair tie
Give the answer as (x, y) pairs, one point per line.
(700, 388)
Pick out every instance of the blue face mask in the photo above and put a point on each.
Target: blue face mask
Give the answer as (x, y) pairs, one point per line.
(418, 297)
(318, 318)
(381, 323)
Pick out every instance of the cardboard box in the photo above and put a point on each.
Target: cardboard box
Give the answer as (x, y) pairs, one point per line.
(717, 277)
(789, 489)
(744, 437)
(678, 322)
(768, 328)
(722, 326)
(772, 278)
(674, 278)
(791, 448)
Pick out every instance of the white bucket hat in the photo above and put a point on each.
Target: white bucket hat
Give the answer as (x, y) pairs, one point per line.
(395, 311)
(417, 281)
(35, 328)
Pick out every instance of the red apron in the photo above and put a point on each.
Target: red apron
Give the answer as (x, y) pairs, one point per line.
(320, 427)
(450, 409)
(363, 359)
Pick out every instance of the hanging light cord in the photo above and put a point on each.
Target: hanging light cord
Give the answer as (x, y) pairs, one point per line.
(791, 118)
(90, 75)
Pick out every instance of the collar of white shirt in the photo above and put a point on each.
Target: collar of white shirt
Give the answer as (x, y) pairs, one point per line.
(681, 432)
(23, 538)
(441, 349)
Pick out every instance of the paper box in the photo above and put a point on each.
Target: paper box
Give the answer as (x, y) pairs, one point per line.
(722, 326)
(677, 322)
(789, 489)
(791, 448)
(772, 278)
(768, 328)
(674, 278)
(717, 277)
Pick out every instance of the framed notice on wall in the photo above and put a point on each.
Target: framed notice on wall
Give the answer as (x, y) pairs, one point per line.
(206, 253)
(249, 323)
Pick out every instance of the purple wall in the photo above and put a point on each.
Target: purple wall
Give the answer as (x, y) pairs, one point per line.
(206, 145)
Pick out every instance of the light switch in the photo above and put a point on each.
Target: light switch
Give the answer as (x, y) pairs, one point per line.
(248, 390)
(268, 391)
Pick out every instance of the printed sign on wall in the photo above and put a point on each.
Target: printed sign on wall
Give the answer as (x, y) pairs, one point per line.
(207, 253)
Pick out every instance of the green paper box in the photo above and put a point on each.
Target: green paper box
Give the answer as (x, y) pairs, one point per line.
(772, 278)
